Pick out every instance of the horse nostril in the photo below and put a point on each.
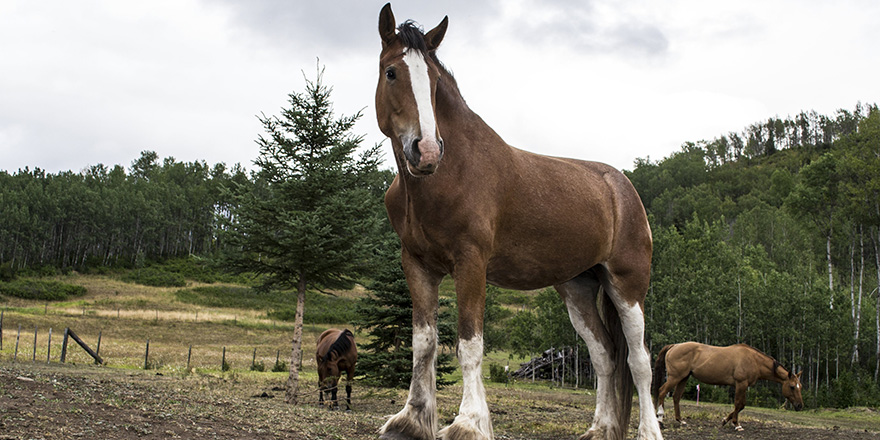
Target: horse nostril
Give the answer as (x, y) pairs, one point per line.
(414, 151)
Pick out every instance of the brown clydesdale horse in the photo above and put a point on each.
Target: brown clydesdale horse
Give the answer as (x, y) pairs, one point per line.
(336, 353)
(467, 204)
(739, 366)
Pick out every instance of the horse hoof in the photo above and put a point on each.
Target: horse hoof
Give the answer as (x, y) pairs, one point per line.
(395, 436)
(738, 428)
(683, 423)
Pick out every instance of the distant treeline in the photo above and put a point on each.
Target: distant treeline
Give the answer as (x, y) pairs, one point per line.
(109, 217)
(771, 237)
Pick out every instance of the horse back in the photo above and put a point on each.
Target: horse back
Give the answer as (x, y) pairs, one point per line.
(715, 365)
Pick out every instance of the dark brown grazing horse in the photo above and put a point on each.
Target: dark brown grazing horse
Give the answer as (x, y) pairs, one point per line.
(739, 366)
(337, 352)
(467, 204)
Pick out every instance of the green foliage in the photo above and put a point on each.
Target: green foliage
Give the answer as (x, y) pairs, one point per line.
(279, 367)
(156, 277)
(498, 374)
(312, 213)
(105, 217)
(233, 297)
(386, 314)
(43, 290)
(258, 366)
(7, 272)
(320, 309)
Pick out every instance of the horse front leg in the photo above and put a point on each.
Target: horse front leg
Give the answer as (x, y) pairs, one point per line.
(739, 402)
(348, 379)
(661, 399)
(334, 403)
(473, 421)
(418, 418)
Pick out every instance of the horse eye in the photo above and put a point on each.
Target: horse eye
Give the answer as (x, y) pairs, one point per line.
(390, 74)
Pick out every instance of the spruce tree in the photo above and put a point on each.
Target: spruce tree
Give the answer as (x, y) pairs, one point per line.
(309, 220)
(386, 314)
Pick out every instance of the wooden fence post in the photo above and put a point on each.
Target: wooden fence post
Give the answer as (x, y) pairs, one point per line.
(254, 360)
(35, 345)
(49, 346)
(147, 356)
(223, 362)
(64, 345)
(17, 336)
(189, 356)
(1, 328)
(98, 348)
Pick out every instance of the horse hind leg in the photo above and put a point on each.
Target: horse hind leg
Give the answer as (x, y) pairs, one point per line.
(579, 295)
(627, 292)
(676, 399)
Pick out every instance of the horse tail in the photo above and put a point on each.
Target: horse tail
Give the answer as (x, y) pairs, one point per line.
(659, 372)
(622, 380)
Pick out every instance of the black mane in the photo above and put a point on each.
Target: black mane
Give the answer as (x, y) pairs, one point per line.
(340, 346)
(412, 36)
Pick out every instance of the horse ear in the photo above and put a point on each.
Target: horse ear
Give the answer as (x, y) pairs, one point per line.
(799, 375)
(387, 25)
(435, 36)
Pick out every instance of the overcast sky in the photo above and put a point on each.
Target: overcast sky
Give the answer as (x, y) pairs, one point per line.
(97, 81)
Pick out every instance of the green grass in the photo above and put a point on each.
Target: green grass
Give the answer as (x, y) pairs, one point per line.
(280, 305)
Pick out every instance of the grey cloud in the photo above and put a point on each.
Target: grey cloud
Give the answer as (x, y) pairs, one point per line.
(577, 24)
(343, 25)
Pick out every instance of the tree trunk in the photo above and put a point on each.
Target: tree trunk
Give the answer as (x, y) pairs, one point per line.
(296, 352)
(858, 305)
(830, 276)
(876, 239)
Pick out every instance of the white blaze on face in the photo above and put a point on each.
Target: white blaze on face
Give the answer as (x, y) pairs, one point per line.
(421, 87)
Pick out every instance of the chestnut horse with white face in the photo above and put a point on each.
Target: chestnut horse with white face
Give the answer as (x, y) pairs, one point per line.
(468, 205)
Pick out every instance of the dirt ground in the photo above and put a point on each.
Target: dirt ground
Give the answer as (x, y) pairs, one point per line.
(39, 401)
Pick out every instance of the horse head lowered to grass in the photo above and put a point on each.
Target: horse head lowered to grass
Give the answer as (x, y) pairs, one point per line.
(739, 366)
(467, 204)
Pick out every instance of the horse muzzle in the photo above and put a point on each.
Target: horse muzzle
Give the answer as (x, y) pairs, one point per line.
(423, 156)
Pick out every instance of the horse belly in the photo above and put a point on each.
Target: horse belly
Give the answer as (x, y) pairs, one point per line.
(529, 271)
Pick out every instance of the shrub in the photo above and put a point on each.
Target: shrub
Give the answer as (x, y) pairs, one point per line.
(280, 367)
(155, 277)
(43, 290)
(7, 272)
(230, 296)
(320, 309)
(497, 374)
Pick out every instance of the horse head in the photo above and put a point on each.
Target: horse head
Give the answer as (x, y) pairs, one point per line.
(405, 95)
(328, 367)
(791, 390)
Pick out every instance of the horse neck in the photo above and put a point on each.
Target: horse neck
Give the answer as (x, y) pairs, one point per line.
(773, 370)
